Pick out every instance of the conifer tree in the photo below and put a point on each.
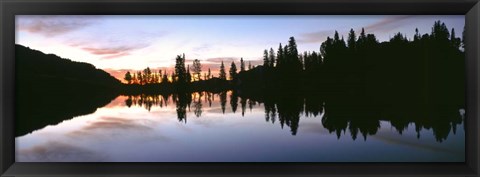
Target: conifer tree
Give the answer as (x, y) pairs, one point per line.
(233, 71)
(222, 74)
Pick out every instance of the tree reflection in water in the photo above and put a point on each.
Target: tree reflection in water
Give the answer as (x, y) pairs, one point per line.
(337, 118)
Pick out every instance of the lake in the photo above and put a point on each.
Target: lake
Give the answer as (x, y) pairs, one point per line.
(224, 127)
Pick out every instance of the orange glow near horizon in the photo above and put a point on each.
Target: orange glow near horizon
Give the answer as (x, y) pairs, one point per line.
(120, 74)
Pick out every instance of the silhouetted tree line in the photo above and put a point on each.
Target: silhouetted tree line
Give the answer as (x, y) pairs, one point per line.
(147, 76)
(181, 80)
(424, 71)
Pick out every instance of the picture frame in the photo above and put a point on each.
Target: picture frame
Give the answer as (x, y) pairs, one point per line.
(10, 8)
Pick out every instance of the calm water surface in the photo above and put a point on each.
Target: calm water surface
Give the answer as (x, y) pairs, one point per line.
(226, 128)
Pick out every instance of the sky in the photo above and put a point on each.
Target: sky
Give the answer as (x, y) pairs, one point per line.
(117, 43)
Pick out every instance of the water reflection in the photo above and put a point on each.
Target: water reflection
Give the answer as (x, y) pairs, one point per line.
(232, 126)
(359, 120)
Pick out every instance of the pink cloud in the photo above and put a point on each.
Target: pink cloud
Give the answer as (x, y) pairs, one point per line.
(387, 24)
(52, 25)
(110, 52)
(104, 51)
(315, 37)
(116, 56)
(224, 59)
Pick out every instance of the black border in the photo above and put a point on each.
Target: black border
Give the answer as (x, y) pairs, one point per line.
(10, 8)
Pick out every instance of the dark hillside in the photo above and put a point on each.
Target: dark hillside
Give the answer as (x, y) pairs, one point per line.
(50, 89)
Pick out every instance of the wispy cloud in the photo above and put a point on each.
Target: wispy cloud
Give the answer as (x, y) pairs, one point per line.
(59, 152)
(106, 51)
(314, 37)
(117, 123)
(108, 47)
(101, 43)
(385, 25)
(52, 25)
(388, 24)
(224, 59)
(116, 56)
(408, 142)
(112, 52)
(202, 48)
(113, 128)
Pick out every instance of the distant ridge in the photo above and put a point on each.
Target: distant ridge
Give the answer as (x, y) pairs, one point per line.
(40, 65)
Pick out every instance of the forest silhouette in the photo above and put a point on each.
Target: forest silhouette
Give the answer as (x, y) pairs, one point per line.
(355, 82)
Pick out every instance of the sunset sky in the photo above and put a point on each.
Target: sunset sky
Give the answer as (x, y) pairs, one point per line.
(120, 43)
